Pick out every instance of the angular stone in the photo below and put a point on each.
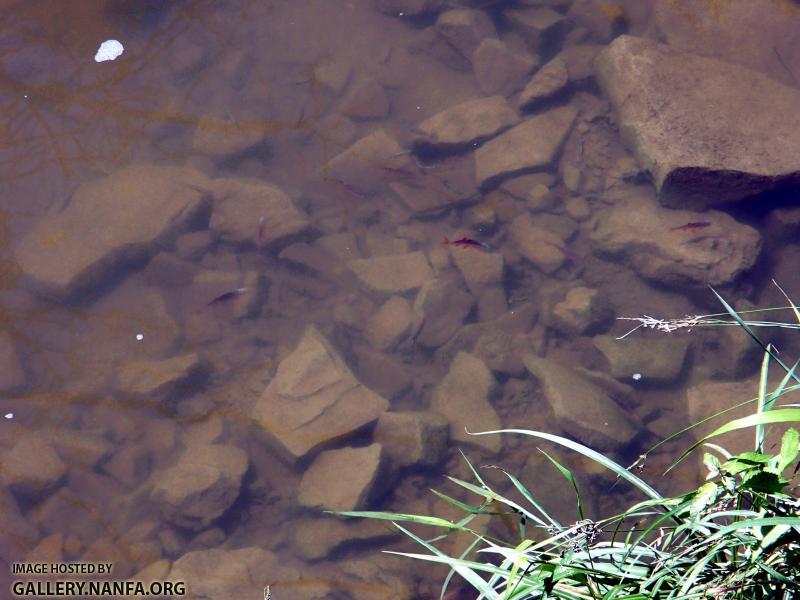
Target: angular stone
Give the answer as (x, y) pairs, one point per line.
(314, 399)
(541, 246)
(389, 323)
(582, 408)
(463, 397)
(355, 471)
(532, 144)
(392, 274)
(658, 361)
(203, 484)
(32, 467)
(221, 138)
(253, 211)
(640, 233)
(413, 438)
(548, 81)
(542, 27)
(366, 99)
(499, 69)
(110, 222)
(464, 28)
(157, 379)
(480, 269)
(223, 573)
(361, 163)
(469, 122)
(582, 310)
(439, 311)
(708, 131)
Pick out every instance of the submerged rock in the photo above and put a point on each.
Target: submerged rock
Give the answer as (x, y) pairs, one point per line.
(658, 361)
(413, 438)
(32, 467)
(582, 310)
(642, 235)
(355, 472)
(392, 274)
(582, 408)
(548, 81)
(223, 573)
(463, 397)
(109, 223)
(708, 131)
(499, 69)
(314, 399)
(203, 484)
(532, 144)
(468, 122)
(247, 210)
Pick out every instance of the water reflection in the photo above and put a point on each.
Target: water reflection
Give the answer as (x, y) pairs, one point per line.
(226, 302)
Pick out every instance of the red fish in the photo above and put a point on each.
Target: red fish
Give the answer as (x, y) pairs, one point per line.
(346, 186)
(466, 242)
(691, 226)
(261, 236)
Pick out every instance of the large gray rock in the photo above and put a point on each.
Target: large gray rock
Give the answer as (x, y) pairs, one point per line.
(314, 399)
(532, 144)
(708, 131)
(201, 486)
(640, 232)
(470, 121)
(463, 397)
(582, 408)
(108, 223)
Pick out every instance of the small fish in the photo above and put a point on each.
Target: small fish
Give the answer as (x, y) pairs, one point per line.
(691, 226)
(466, 242)
(227, 296)
(346, 186)
(261, 235)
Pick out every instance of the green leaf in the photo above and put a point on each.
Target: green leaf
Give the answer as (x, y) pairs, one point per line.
(706, 495)
(755, 457)
(763, 481)
(790, 446)
(713, 463)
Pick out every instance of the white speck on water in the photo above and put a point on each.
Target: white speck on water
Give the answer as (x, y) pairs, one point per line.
(401, 14)
(636, 376)
(108, 50)
(9, 415)
(139, 337)
(419, 108)
(25, 96)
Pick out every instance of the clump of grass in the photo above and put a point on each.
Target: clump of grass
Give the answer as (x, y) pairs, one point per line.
(735, 536)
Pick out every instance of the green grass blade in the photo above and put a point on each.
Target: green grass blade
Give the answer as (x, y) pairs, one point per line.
(463, 568)
(749, 331)
(779, 415)
(568, 474)
(762, 398)
(587, 452)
